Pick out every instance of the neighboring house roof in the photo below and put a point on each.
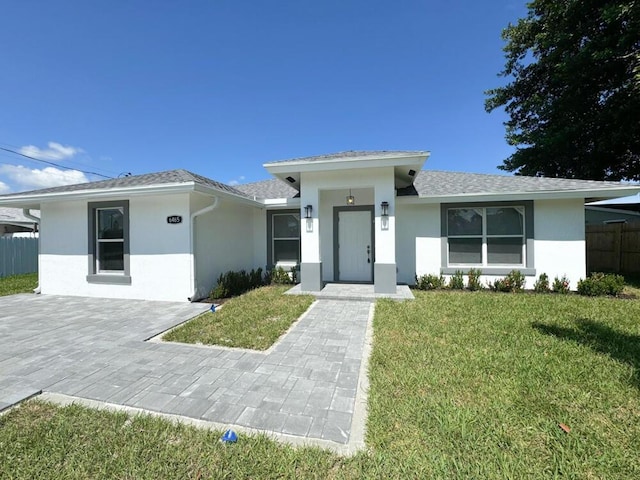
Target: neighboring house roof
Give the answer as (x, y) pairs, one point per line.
(147, 179)
(353, 154)
(13, 216)
(272, 188)
(631, 200)
(439, 183)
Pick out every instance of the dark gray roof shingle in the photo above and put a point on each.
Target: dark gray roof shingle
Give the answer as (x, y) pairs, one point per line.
(9, 215)
(158, 178)
(272, 188)
(433, 182)
(354, 154)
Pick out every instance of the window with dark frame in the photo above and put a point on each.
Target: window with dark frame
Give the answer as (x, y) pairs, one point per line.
(486, 236)
(109, 237)
(108, 242)
(285, 237)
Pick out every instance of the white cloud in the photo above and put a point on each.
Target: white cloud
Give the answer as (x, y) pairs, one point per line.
(56, 151)
(238, 181)
(4, 188)
(31, 178)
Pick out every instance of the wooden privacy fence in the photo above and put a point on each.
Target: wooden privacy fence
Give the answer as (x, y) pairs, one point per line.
(18, 255)
(613, 248)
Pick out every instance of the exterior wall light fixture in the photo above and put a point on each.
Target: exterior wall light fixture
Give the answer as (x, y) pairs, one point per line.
(307, 211)
(384, 208)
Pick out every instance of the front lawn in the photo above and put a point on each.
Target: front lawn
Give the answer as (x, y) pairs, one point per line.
(463, 385)
(253, 320)
(24, 283)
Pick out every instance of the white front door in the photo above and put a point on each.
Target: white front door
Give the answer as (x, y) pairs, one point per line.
(355, 251)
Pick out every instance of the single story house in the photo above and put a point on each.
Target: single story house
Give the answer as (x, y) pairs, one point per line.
(373, 217)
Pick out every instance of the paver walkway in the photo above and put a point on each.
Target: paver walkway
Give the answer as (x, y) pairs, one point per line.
(95, 349)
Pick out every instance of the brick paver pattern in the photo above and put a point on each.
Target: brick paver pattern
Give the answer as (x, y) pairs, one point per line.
(95, 348)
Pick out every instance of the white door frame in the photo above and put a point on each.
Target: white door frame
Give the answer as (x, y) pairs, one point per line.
(336, 226)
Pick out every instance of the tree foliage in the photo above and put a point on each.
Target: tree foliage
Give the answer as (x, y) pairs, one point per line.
(573, 95)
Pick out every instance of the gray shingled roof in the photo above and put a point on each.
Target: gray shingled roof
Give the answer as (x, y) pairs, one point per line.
(159, 178)
(10, 215)
(272, 188)
(433, 182)
(354, 154)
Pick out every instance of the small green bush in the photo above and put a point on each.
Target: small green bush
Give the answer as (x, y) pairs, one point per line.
(279, 276)
(513, 282)
(542, 284)
(430, 282)
(232, 284)
(599, 284)
(456, 282)
(561, 285)
(473, 280)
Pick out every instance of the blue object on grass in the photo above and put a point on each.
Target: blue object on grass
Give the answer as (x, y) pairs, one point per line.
(229, 437)
(213, 308)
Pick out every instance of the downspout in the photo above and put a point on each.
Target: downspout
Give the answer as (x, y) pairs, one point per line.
(36, 220)
(192, 236)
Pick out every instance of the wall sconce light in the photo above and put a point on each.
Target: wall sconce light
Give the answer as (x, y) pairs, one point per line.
(351, 200)
(307, 211)
(384, 208)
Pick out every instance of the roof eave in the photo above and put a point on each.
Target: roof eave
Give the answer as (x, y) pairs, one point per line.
(506, 196)
(346, 163)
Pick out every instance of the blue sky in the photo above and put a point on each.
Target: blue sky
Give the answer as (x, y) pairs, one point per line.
(221, 87)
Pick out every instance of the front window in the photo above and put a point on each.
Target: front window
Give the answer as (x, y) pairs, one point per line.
(109, 240)
(286, 237)
(486, 236)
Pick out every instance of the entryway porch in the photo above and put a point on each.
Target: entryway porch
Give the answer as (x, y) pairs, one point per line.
(353, 291)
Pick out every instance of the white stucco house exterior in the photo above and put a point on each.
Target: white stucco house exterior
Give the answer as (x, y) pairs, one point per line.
(372, 217)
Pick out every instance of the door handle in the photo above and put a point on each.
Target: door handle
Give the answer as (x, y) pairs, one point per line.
(368, 254)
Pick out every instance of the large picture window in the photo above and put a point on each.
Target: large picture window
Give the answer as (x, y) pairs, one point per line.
(109, 242)
(285, 235)
(486, 236)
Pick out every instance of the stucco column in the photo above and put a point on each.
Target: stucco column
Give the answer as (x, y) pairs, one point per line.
(385, 273)
(310, 262)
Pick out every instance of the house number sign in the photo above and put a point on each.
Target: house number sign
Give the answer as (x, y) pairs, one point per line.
(174, 219)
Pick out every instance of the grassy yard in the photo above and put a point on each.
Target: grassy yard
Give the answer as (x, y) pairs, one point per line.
(18, 284)
(463, 385)
(254, 320)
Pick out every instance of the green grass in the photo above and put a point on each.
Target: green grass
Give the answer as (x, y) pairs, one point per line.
(254, 320)
(463, 385)
(18, 284)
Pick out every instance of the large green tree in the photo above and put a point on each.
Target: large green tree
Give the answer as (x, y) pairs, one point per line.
(573, 91)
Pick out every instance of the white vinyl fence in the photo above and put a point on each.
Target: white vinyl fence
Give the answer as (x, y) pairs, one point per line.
(18, 255)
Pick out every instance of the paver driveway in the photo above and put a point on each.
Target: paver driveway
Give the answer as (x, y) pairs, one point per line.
(96, 349)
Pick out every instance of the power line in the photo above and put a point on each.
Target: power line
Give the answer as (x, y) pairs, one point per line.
(54, 164)
(76, 165)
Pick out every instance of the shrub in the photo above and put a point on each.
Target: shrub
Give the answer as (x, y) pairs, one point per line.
(513, 282)
(473, 279)
(542, 284)
(561, 285)
(429, 282)
(598, 284)
(279, 276)
(456, 282)
(232, 284)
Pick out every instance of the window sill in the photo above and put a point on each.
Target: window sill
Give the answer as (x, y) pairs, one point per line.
(106, 279)
(529, 272)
